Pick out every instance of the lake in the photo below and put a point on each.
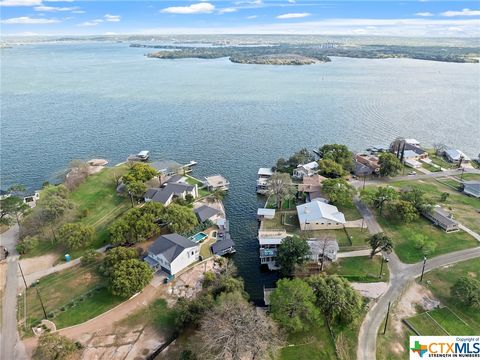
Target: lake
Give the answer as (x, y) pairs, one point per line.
(79, 101)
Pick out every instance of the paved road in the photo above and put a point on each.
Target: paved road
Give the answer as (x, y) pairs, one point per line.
(9, 335)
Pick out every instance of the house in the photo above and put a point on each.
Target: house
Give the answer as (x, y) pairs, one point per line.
(206, 212)
(263, 175)
(169, 192)
(370, 161)
(442, 218)
(413, 142)
(454, 156)
(472, 188)
(172, 253)
(31, 200)
(319, 215)
(326, 248)
(265, 214)
(312, 186)
(167, 167)
(224, 244)
(216, 182)
(412, 163)
(303, 170)
(269, 240)
(362, 170)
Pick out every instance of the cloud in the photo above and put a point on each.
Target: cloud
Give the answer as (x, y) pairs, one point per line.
(464, 12)
(291, 1)
(426, 13)
(55, 8)
(78, 12)
(252, 17)
(200, 8)
(227, 10)
(112, 18)
(293, 15)
(20, 3)
(91, 22)
(29, 20)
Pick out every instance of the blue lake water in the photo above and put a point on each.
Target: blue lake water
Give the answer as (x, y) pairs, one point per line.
(78, 101)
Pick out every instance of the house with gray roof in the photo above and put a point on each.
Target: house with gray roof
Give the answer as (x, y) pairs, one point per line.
(172, 253)
(442, 218)
(169, 192)
(224, 244)
(322, 248)
(472, 188)
(206, 212)
(455, 155)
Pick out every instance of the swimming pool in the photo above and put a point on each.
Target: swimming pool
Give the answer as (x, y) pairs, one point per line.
(199, 237)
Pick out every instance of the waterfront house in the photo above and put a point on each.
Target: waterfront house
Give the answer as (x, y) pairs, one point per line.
(172, 253)
(370, 161)
(269, 240)
(322, 248)
(411, 149)
(216, 182)
(206, 212)
(224, 244)
(455, 156)
(442, 218)
(263, 175)
(169, 192)
(319, 215)
(303, 170)
(311, 186)
(167, 167)
(471, 188)
(263, 214)
(362, 170)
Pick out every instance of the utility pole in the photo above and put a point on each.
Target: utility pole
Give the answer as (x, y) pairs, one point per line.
(386, 319)
(41, 301)
(381, 266)
(423, 268)
(24, 296)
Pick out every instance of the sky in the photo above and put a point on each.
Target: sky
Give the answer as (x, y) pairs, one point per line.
(421, 18)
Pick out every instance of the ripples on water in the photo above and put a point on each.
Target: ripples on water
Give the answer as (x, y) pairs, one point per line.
(61, 102)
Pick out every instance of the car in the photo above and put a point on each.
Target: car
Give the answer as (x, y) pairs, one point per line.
(412, 173)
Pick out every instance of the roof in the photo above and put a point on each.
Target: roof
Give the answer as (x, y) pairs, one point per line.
(311, 165)
(315, 210)
(362, 170)
(224, 223)
(220, 246)
(443, 216)
(162, 195)
(409, 154)
(412, 141)
(174, 179)
(265, 172)
(143, 153)
(266, 212)
(472, 187)
(205, 212)
(170, 246)
(317, 245)
(165, 165)
(456, 154)
(311, 183)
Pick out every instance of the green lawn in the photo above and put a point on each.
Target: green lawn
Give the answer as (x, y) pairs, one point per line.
(157, 314)
(424, 325)
(441, 280)
(351, 213)
(470, 177)
(359, 269)
(430, 167)
(438, 160)
(402, 235)
(313, 344)
(450, 183)
(59, 290)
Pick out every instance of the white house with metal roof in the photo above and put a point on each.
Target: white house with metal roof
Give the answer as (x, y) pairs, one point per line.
(305, 170)
(265, 214)
(454, 156)
(172, 253)
(319, 215)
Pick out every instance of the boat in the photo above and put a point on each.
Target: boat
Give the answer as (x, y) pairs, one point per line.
(143, 155)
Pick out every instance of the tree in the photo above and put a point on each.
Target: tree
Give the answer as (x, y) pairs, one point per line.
(12, 206)
(467, 291)
(439, 148)
(218, 194)
(417, 197)
(423, 244)
(190, 312)
(180, 219)
(293, 305)
(389, 164)
(380, 197)
(403, 211)
(335, 297)
(339, 191)
(280, 186)
(233, 329)
(76, 235)
(117, 255)
(291, 252)
(54, 347)
(129, 277)
(444, 196)
(338, 153)
(53, 204)
(140, 172)
(76, 174)
(330, 168)
(303, 156)
(89, 257)
(379, 242)
(136, 189)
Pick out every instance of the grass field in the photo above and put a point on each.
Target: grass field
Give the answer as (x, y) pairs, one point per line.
(157, 314)
(430, 167)
(441, 280)
(351, 213)
(60, 289)
(360, 269)
(440, 322)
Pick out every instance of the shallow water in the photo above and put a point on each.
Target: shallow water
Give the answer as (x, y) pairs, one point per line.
(61, 102)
